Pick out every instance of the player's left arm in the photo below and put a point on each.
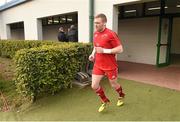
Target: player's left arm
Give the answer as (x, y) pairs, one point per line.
(116, 43)
(118, 49)
(115, 50)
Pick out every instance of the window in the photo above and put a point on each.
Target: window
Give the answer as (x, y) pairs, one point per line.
(50, 20)
(146, 9)
(62, 19)
(133, 10)
(72, 18)
(172, 6)
(69, 19)
(152, 8)
(18, 25)
(56, 20)
(44, 21)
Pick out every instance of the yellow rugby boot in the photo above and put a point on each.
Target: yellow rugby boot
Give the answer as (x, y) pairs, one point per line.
(103, 105)
(120, 101)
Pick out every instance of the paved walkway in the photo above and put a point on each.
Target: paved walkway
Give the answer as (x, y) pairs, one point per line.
(168, 77)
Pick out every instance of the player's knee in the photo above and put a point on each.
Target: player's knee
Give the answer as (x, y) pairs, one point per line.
(94, 86)
(113, 84)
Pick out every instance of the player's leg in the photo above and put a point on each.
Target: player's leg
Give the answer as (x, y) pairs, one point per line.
(113, 76)
(96, 78)
(96, 85)
(118, 88)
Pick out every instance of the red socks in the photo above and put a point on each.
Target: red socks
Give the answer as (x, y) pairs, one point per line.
(120, 92)
(100, 93)
(104, 99)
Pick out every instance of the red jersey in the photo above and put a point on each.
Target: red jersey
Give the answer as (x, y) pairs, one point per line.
(106, 39)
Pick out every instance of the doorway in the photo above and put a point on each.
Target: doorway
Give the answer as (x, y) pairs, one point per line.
(168, 46)
(175, 43)
(169, 41)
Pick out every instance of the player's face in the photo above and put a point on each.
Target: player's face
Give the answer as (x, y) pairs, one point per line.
(99, 24)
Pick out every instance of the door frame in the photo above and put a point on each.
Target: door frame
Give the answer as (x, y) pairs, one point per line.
(167, 45)
(169, 36)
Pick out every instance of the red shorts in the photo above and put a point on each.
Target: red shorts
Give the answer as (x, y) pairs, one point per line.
(111, 74)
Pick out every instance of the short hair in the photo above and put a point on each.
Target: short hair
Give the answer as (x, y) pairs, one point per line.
(72, 26)
(102, 16)
(61, 29)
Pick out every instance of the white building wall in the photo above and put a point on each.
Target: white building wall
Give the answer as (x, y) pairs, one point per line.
(1, 30)
(139, 38)
(29, 12)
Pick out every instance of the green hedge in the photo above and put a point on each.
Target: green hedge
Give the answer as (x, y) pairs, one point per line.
(49, 68)
(84, 51)
(8, 48)
(45, 66)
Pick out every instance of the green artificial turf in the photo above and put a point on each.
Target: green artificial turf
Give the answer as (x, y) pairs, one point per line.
(142, 102)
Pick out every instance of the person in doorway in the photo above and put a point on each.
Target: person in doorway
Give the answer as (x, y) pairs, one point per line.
(72, 34)
(62, 35)
(106, 46)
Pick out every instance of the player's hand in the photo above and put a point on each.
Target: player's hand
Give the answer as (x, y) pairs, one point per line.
(91, 57)
(99, 50)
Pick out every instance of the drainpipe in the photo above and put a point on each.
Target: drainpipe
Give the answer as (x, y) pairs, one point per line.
(91, 19)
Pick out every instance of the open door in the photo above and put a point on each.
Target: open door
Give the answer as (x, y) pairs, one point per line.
(164, 39)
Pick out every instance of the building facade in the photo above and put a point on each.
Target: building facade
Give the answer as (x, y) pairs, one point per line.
(148, 28)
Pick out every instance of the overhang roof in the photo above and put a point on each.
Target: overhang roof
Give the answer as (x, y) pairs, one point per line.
(12, 4)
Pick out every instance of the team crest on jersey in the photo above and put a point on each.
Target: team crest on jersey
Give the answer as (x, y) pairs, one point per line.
(104, 36)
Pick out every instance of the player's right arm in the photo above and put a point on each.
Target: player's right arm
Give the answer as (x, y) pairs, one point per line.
(92, 56)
